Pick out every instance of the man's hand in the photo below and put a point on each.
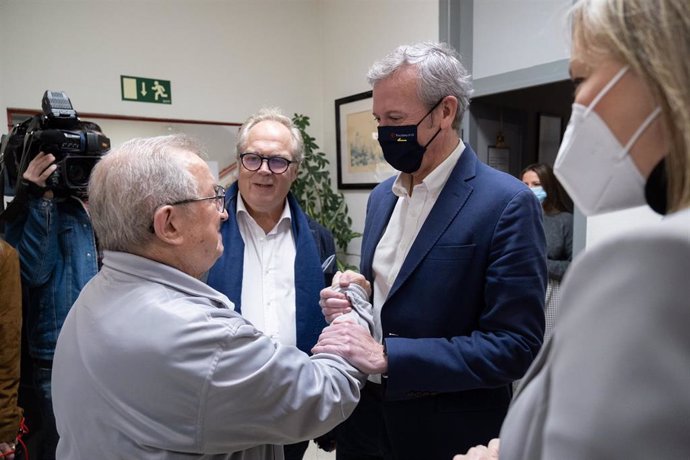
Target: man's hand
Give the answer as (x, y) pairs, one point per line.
(38, 171)
(489, 452)
(343, 279)
(40, 168)
(334, 303)
(354, 343)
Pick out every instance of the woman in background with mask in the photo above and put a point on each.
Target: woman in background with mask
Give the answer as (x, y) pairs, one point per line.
(613, 380)
(558, 228)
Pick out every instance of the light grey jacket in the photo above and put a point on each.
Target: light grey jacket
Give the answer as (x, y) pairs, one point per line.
(614, 381)
(154, 364)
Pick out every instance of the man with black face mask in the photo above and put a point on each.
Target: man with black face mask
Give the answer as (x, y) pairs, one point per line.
(455, 253)
(400, 146)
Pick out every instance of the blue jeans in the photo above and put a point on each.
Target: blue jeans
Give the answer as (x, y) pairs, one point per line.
(42, 375)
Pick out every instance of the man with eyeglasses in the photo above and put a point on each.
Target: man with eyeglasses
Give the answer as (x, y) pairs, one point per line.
(272, 268)
(218, 198)
(152, 363)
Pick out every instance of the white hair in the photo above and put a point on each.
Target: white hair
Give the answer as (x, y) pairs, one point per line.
(440, 73)
(130, 183)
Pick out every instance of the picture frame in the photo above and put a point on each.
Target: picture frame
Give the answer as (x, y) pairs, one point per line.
(550, 132)
(360, 160)
(499, 158)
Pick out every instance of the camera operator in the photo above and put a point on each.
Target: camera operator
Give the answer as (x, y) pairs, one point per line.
(58, 256)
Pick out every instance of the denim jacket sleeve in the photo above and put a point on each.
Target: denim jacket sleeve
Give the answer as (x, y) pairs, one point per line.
(36, 240)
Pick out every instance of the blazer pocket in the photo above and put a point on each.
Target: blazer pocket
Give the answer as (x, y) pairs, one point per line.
(446, 252)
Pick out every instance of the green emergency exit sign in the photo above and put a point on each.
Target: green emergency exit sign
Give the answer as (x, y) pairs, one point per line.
(145, 90)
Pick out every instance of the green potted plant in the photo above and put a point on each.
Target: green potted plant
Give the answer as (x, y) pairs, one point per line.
(314, 191)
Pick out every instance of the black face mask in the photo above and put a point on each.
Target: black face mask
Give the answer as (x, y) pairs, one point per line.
(656, 189)
(400, 147)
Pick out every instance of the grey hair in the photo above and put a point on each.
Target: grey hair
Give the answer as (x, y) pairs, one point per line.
(654, 39)
(130, 183)
(271, 114)
(440, 71)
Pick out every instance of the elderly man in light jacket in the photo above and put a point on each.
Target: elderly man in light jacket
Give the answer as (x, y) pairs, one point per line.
(151, 362)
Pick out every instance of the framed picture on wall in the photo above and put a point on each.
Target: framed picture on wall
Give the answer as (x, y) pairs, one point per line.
(359, 156)
(549, 138)
(499, 158)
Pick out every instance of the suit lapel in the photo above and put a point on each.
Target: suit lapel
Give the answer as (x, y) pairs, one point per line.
(451, 200)
(381, 215)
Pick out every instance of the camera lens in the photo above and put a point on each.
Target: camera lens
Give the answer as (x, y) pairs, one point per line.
(78, 171)
(77, 175)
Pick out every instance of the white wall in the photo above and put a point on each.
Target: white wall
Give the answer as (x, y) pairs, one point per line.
(225, 59)
(516, 34)
(228, 58)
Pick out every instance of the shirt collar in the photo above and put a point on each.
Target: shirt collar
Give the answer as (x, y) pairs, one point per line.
(286, 215)
(435, 180)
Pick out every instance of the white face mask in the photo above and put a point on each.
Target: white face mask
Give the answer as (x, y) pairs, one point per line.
(593, 167)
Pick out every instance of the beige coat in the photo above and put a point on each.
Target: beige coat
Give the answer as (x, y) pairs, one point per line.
(10, 341)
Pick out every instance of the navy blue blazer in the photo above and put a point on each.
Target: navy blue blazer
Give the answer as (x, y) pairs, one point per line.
(465, 316)
(314, 243)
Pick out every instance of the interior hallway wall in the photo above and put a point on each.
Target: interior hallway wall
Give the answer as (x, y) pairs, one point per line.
(225, 58)
(509, 35)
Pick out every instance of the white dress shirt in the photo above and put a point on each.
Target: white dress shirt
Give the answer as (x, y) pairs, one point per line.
(407, 219)
(268, 280)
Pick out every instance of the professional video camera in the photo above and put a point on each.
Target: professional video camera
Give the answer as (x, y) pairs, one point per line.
(77, 146)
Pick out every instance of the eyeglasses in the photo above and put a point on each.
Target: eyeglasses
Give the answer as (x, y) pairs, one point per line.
(253, 162)
(219, 198)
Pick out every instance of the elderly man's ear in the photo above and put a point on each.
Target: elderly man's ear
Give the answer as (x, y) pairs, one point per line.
(166, 225)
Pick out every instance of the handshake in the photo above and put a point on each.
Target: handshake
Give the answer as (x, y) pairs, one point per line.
(351, 332)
